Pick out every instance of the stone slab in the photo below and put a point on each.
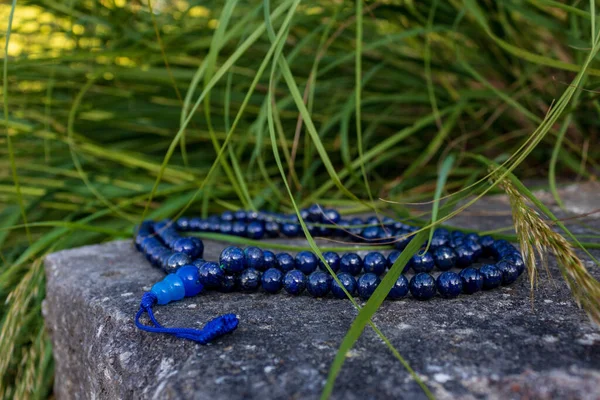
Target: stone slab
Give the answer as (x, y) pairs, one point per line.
(495, 344)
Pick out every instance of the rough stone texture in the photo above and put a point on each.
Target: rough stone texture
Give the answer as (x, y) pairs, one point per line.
(490, 345)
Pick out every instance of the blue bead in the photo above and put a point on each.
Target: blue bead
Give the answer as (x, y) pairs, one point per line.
(249, 280)
(472, 236)
(290, 230)
(189, 246)
(182, 224)
(486, 242)
(342, 228)
(229, 284)
(351, 263)
(190, 276)
(392, 257)
(226, 228)
(472, 280)
(444, 258)
(211, 275)
(294, 282)
(510, 272)
(252, 215)
(255, 230)
(319, 283)
(421, 262)
(227, 216)
(164, 259)
(373, 220)
(286, 262)
(331, 216)
(353, 230)
(315, 213)
(464, 256)
(213, 224)
(306, 262)
(422, 286)
(457, 234)
(347, 281)
(159, 258)
(375, 263)
(239, 228)
(401, 239)
(366, 285)
(272, 280)
(162, 292)
(457, 241)
(240, 215)
(272, 229)
(517, 260)
(255, 258)
(475, 247)
(232, 260)
(176, 261)
(400, 288)
(439, 241)
(441, 232)
(492, 276)
(449, 284)
(371, 233)
(333, 259)
(304, 214)
(270, 261)
(199, 262)
(175, 287)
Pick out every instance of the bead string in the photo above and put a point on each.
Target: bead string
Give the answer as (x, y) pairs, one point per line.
(252, 268)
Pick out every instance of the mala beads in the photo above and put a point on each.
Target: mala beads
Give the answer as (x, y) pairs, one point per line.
(252, 269)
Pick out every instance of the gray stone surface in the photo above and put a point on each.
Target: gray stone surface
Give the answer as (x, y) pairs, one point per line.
(495, 344)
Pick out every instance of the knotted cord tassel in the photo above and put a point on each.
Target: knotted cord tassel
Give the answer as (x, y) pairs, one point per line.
(213, 329)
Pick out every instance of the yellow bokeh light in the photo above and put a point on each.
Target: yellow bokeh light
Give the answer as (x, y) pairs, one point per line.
(199, 11)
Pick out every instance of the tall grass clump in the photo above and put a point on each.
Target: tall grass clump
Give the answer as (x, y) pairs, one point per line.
(115, 111)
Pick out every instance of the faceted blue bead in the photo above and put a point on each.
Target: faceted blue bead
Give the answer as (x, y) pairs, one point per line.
(315, 213)
(366, 285)
(272, 228)
(421, 262)
(319, 283)
(516, 259)
(422, 286)
(240, 215)
(400, 288)
(444, 258)
(229, 284)
(255, 230)
(333, 259)
(232, 260)
(249, 280)
(351, 263)
(190, 276)
(239, 228)
(472, 280)
(475, 247)
(492, 276)
(510, 272)
(255, 258)
(176, 261)
(272, 280)
(331, 216)
(371, 233)
(162, 292)
(294, 282)
(375, 262)
(226, 228)
(392, 257)
(289, 229)
(286, 262)
(211, 275)
(347, 281)
(449, 284)
(189, 246)
(175, 287)
(306, 262)
(464, 256)
(227, 216)
(270, 260)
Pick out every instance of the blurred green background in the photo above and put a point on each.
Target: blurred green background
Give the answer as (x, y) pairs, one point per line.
(101, 128)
